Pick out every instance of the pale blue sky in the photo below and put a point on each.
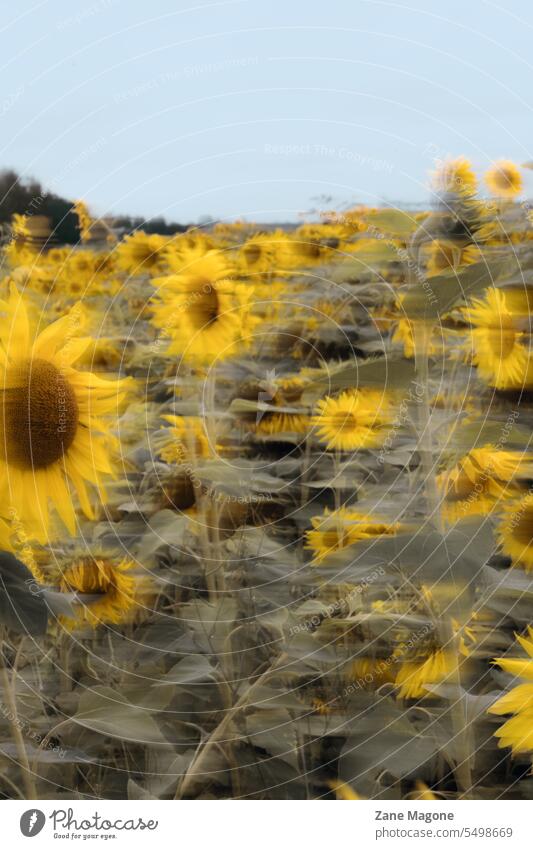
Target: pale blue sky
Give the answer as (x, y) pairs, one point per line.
(253, 107)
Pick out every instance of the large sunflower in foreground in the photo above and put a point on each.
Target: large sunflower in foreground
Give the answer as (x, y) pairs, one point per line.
(53, 432)
(498, 352)
(354, 419)
(202, 310)
(517, 732)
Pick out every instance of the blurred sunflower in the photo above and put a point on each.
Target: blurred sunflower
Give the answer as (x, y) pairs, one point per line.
(180, 490)
(202, 310)
(308, 245)
(517, 732)
(279, 409)
(498, 352)
(261, 252)
(141, 253)
(338, 529)
(414, 676)
(480, 480)
(52, 430)
(111, 581)
(504, 179)
(187, 438)
(455, 176)
(515, 532)
(354, 419)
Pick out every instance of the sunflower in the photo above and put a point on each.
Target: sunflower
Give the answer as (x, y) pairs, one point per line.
(180, 249)
(180, 491)
(141, 253)
(278, 405)
(112, 582)
(481, 479)
(517, 732)
(202, 310)
(498, 353)
(504, 179)
(455, 176)
(515, 532)
(309, 246)
(372, 672)
(53, 432)
(338, 529)
(261, 253)
(188, 438)
(414, 676)
(354, 419)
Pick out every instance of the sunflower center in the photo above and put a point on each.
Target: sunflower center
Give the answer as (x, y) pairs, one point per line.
(40, 415)
(89, 576)
(180, 491)
(523, 530)
(206, 309)
(502, 342)
(343, 422)
(252, 254)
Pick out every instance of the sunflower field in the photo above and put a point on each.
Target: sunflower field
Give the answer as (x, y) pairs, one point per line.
(266, 513)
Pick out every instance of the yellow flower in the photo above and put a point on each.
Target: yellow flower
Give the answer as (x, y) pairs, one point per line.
(515, 532)
(180, 251)
(517, 732)
(84, 220)
(113, 582)
(309, 246)
(188, 439)
(504, 179)
(481, 479)
(498, 353)
(141, 253)
(180, 492)
(261, 252)
(338, 529)
(455, 176)
(355, 419)
(53, 420)
(279, 410)
(202, 310)
(422, 793)
(343, 791)
(414, 676)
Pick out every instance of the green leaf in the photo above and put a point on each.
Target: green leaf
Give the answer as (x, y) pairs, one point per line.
(392, 222)
(23, 608)
(107, 712)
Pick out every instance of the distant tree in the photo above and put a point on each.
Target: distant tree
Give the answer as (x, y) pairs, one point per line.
(27, 197)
